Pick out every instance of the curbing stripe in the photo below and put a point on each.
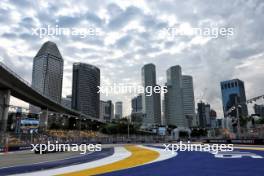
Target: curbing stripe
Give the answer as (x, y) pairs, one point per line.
(139, 157)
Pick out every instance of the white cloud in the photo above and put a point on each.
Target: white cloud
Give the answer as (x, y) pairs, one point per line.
(130, 38)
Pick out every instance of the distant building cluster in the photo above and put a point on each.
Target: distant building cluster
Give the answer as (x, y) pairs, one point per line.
(206, 115)
(178, 104)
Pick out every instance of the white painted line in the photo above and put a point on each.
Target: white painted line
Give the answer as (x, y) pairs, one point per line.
(119, 154)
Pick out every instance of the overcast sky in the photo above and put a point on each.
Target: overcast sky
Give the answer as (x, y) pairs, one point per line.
(129, 38)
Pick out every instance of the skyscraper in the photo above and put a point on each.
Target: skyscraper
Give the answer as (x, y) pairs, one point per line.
(188, 100)
(137, 114)
(259, 109)
(204, 115)
(179, 100)
(213, 116)
(233, 91)
(118, 109)
(48, 71)
(136, 103)
(151, 103)
(106, 110)
(86, 79)
(174, 111)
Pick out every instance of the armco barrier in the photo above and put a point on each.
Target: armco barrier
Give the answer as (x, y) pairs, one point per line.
(237, 141)
(15, 148)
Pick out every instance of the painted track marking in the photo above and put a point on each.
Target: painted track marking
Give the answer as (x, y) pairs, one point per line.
(139, 157)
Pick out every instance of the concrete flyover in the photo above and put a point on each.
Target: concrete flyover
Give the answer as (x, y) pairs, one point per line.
(12, 84)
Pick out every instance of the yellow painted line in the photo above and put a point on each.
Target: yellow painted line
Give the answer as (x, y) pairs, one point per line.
(138, 157)
(249, 148)
(248, 145)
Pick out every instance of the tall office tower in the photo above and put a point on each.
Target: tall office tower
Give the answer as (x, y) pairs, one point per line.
(233, 93)
(204, 115)
(106, 110)
(48, 71)
(188, 100)
(137, 114)
(118, 109)
(136, 103)
(174, 105)
(151, 102)
(208, 115)
(85, 82)
(259, 110)
(213, 116)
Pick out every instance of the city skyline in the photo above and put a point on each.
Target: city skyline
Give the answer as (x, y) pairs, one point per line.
(131, 87)
(129, 41)
(41, 50)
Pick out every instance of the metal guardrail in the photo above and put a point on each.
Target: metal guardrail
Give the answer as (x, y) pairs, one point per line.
(29, 85)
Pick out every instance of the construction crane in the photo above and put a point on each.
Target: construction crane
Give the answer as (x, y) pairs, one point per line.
(254, 99)
(201, 96)
(237, 105)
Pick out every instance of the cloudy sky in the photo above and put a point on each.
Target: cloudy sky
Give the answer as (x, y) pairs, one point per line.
(129, 38)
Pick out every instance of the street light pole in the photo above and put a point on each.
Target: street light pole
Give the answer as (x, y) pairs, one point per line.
(128, 128)
(238, 119)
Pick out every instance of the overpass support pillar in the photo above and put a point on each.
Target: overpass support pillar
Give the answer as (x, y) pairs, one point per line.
(4, 106)
(43, 120)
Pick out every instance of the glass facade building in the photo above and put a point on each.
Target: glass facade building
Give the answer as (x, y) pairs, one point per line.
(85, 82)
(48, 71)
(179, 105)
(118, 110)
(151, 104)
(233, 91)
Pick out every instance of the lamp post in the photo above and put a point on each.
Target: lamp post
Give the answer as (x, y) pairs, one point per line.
(238, 119)
(128, 121)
